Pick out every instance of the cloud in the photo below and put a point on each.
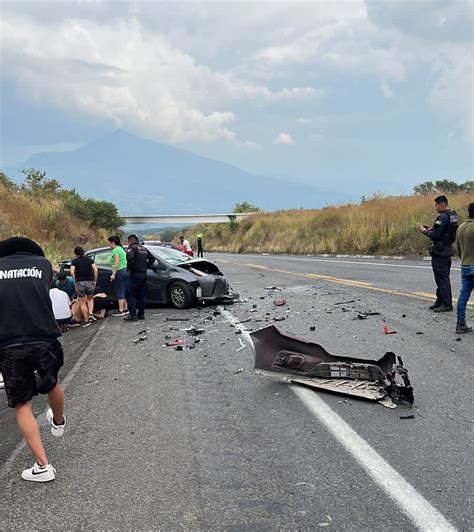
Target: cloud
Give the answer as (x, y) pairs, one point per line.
(283, 138)
(132, 77)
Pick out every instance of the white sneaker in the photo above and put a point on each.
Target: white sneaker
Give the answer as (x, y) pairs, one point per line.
(2, 383)
(121, 313)
(56, 430)
(39, 473)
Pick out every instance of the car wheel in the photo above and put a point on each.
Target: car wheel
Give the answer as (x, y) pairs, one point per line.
(180, 295)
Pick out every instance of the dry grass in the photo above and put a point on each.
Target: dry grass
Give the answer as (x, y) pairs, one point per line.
(385, 226)
(46, 222)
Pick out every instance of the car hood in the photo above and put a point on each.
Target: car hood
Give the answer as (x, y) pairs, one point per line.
(199, 265)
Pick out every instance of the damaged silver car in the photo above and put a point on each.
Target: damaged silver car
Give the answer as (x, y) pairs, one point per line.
(278, 354)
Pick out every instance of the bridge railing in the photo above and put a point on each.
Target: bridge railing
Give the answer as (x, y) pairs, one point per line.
(185, 218)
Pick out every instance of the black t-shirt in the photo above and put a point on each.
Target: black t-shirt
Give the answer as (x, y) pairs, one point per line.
(84, 271)
(101, 303)
(26, 313)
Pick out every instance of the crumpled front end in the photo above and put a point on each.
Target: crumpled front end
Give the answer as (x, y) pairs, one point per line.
(308, 363)
(216, 288)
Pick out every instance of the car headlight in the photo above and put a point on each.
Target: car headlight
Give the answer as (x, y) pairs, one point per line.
(198, 291)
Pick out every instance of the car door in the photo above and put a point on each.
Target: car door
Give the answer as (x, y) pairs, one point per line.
(104, 265)
(158, 279)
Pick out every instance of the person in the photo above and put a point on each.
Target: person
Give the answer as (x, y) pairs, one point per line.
(30, 353)
(101, 303)
(187, 246)
(84, 272)
(139, 259)
(119, 272)
(442, 236)
(61, 307)
(464, 247)
(199, 244)
(66, 284)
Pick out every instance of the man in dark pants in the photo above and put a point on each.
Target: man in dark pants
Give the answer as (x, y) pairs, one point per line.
(199, 243)
(442, 236)
(139, 259)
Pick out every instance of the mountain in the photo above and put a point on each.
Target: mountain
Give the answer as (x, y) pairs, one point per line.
(144, 177)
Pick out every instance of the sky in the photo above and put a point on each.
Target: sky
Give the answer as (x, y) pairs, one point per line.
(361, 96)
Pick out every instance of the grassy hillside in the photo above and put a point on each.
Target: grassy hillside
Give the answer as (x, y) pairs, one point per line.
(44, 212)
(386, 226)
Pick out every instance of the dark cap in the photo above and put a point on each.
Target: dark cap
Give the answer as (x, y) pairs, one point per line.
(19, 244)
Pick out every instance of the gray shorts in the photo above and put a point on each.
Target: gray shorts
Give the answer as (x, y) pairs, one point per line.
(85, 288)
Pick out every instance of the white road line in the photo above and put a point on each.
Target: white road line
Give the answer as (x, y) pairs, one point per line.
(7, 466)
(384, 264)
(423, 515)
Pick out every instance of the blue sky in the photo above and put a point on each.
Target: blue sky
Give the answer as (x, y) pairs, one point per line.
(361, 97)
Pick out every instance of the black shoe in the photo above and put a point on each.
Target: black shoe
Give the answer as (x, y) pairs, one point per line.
(130, 318)
(141, 316)
(434, 305)
(462, 327)
(443, 308)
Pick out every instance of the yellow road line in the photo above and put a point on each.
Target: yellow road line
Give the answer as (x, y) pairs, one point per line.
(259, 266)
(424, 296)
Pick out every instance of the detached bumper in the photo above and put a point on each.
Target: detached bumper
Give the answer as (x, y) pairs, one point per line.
(296, 360)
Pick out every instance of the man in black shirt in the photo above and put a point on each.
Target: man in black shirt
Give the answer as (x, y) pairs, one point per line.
(139, 259)
(442, 236)
(30, 354)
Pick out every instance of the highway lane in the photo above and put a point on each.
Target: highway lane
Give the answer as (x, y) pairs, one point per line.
(184, 439)
(412, 277)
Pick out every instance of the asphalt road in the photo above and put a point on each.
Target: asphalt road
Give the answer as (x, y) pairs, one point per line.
(193, 439)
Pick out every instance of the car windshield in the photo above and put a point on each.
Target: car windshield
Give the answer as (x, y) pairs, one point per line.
(170, 255)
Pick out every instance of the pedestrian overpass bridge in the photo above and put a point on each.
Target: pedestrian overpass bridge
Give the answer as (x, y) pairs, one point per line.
(186, 218)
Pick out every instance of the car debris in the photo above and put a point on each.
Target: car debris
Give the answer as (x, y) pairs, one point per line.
(345, 302)
(194, 331)
(142, 336)
(387, 330)
(242, 345)
(175, 342)
(279, 302)
(410, 416)
(300, 361)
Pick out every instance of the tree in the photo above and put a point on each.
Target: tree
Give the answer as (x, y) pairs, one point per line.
(445, 186)
(6, 182)
(245, 206)
(37, 185)
(425, 188)
(97, 213)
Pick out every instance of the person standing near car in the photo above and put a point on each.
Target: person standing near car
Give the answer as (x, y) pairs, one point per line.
(187, 246)
(199, 244)
(139, 259)
(442, 236)
(464, 247)
(119, 272)
(30, 353)
(85, 273)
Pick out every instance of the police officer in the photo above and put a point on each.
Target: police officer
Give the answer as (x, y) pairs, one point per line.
(139, 259)
(442, 236)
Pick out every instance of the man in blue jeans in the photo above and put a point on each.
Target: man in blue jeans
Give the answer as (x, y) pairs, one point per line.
(139, 259)
(464, 247)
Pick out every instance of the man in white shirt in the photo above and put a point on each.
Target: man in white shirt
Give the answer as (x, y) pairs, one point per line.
(61, 307)
(187, 245)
